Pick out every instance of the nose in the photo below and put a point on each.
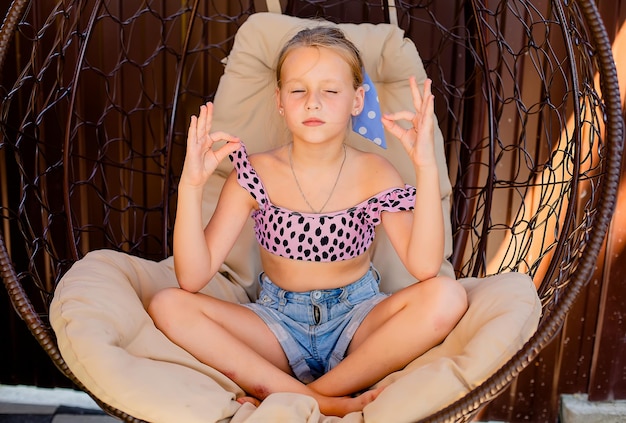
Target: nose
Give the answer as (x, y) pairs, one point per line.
(312, 102)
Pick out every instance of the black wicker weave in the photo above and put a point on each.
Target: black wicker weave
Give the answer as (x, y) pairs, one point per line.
(93, 128)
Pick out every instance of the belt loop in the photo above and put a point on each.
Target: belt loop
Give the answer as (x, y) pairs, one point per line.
(344, 294)
(260, 287)
(375, 272)
(282, 297)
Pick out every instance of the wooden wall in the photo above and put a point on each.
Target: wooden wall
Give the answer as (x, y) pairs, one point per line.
(588, 355)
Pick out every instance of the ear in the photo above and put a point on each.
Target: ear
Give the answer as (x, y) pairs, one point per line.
(359, 101)
(279, 105)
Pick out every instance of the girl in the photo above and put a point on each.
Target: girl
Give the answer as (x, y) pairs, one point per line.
(321, 327)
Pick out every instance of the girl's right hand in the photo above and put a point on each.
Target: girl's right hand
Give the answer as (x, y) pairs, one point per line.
(201, 159)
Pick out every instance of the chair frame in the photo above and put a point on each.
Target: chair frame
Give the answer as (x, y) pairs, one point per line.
(560, 273)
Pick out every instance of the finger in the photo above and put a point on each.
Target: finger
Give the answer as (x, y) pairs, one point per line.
(191, 133)
(223, 136)
(428, 84)
(208, 122)
(200, 132)
(428, 107)
(405, 136)
(395, 129)
(403, 115)
(228, 148)
(415, 93)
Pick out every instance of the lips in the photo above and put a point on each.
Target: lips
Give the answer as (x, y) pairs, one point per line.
(313, 122)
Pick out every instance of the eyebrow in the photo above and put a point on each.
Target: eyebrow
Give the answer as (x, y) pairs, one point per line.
(324, 81)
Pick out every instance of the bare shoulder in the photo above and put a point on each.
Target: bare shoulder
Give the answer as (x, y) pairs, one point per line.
(378, 172)
(272, 168)
(268, 159)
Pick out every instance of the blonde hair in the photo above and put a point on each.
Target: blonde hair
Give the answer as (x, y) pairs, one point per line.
(325, 37)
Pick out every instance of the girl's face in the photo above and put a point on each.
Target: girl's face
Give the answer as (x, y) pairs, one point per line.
(317, 97)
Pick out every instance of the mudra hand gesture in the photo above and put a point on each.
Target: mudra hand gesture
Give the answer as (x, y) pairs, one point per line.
(201, 159)
(418, 140)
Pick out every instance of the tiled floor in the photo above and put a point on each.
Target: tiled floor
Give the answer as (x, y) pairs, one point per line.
(21, 404)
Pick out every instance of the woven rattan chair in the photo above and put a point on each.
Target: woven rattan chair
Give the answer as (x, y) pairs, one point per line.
(93, 126)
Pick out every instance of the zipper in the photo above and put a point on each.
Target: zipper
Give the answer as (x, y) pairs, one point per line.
(316, 314)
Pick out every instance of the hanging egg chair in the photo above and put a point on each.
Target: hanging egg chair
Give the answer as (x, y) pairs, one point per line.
(96, 97)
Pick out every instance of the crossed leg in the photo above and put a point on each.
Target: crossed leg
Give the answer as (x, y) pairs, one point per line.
(399, 329)
(235, 341)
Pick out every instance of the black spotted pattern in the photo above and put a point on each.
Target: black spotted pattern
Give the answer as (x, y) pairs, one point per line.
(323, 237)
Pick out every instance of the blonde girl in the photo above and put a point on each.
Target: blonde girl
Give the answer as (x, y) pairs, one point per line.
(320, 327)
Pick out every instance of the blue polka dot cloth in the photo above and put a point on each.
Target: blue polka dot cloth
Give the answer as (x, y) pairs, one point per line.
(368, 123)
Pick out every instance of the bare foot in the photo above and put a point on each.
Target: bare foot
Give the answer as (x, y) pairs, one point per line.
(331, 406)
(251, 400)
(340, 406)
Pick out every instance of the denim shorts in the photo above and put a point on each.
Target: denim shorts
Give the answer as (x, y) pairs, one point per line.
(315, 328)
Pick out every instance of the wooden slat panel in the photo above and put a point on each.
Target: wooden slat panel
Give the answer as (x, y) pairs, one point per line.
(589, 354)
(608, 372)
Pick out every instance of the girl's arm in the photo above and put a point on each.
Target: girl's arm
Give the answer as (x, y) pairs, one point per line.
(421, 247)
(195, 257)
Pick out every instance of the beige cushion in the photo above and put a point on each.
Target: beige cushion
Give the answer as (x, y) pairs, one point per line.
(112, 346)
(503, 313)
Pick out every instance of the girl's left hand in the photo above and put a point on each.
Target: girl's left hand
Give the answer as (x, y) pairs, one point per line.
(419, 140)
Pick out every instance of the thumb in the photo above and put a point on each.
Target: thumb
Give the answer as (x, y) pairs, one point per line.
(228, 148)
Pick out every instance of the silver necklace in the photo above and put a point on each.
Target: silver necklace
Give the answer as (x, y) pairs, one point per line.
(345, 154)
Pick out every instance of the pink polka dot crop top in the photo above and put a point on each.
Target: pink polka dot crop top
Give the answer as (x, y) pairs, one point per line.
(325, 237)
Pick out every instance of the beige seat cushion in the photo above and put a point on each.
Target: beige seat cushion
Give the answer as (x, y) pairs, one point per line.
(109, 342)
(112, 346)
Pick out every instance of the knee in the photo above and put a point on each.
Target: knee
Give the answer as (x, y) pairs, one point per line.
(455, 292)
(449, 298)
(164, 305)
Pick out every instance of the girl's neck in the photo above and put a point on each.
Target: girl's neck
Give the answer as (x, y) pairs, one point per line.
(317, 155)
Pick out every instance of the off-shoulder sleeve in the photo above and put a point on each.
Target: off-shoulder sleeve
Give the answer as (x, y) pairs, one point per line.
(393, 200)
(247, 176)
